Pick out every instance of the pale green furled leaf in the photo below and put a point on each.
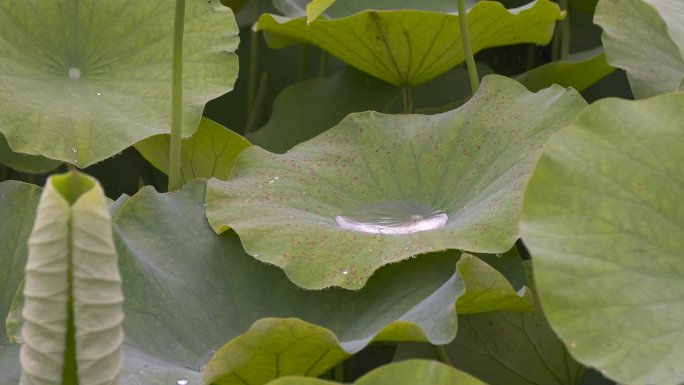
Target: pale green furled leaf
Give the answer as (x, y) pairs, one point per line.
(410, 47)
(83, 80)
(378, 189)
(73, 301)
(636, 39)
(210, 152)
(578, 70)
(603, 220)
(275, 347)
(23, 162)
(506, 348)
(18, 203)
(316, 8)
(294, 121)
(411, 372)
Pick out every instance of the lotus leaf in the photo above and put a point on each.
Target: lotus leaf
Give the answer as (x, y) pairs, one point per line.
(378, 189)
(82, 80)
(210, 152)
(578, 70)
(412, 372)
(72, 312)
(604, 222)
(651, 49)
(410, 47)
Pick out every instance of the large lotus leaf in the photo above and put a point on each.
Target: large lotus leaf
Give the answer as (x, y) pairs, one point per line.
(604, 222)
(180, 308)
(506, 348)
(411, 372)
(578, 70)
(294, 121)
(72, 312)
(297, 8)
(24, 162)
(651, 56)
(210, 152)
(277, 347)
(18, 203)
(82, 80)
(378, 189)
(409, 46)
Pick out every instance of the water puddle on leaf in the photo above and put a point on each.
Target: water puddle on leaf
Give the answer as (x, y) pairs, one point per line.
(392, 218)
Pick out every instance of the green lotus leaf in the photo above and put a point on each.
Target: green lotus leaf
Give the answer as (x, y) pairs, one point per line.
(72, 308)
(604, 223)
(298, 8)
(578, 70)
(179, 309)
(409, 47)
(18, 203)
(210, 152)
(81, 81)
(506, 348)
(411, 372)
(378, 189)
(274, 347)
(651, 49)
(294, 121)
(25, 163)
(488, 290)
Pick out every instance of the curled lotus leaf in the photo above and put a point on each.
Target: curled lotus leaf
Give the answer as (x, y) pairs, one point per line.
(83, 80)
(378, 189)
(410, 47)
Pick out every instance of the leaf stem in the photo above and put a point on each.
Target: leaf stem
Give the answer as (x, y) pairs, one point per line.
(177, 98)
(467, 49)
(323, 64)
(407, 93)
(303, 59)
(443, 355)
(565, 30)
(338, 372)
(253, 60)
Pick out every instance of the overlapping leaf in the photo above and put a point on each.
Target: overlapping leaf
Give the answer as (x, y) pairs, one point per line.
(18, 203)
(81, 80)
(294, 121)
(24, 162)
(277, 347)
(579, 71)
(462, 171)
(604, 222)
(410, 47)
(210, 152)
(651, 48)
(412, 372)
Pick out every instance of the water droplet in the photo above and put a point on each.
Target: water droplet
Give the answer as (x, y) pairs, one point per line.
(498, 254)
(182, 381)
(74, 73)
(345, 272)
(98, 93)
(573, 345)
(74, 150)
(391, 218)
(276, 177)
(255, 255)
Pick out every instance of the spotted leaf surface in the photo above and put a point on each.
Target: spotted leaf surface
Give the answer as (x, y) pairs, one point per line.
(378, 189)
